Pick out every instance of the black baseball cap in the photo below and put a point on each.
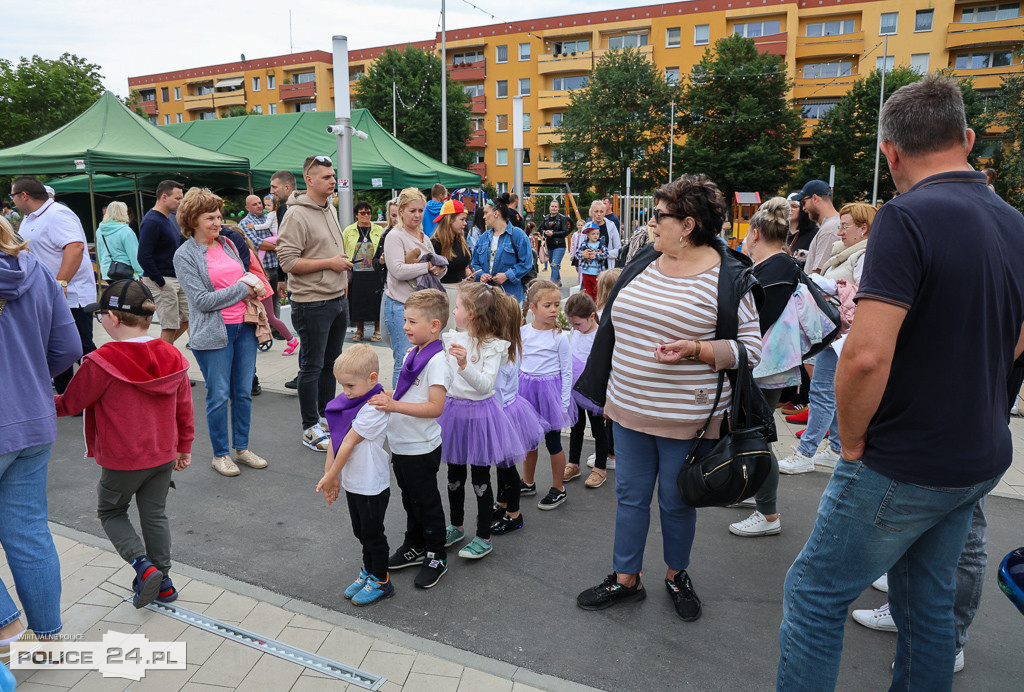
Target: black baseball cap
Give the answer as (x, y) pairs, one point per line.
(125, 295)
(814, 187)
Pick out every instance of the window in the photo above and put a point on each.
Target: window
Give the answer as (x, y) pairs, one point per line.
(572, 47)
(813, 111)
(468, 58)
(804, 151)
(983, 61)
(673, 37)
(148, 95)
(473, 89)
(556, 155)
(273, 108)
(889, 23)
(501, 123)
(989, 99)
(672, 75)
(177, 93)
(569, 83)
(501, 54)
(526, 122)
(755, 29)
(502, 88)
(479, 157)
(833, 28)
(841, 68)
(701, 34)
(152, 120)
(919, 62)
(502, 159)
(627, 41)
(923, 20)
(524, 86)
(890, 62)
(304, 78)
(991, 13)
(556, 119)
(202, 89)
(271, 81)
(356, 75)
(165, 95)
(309, 107)
(502, 188)
(258, 109)
(167, 119)
(524, 51)
(177, 117)
(208, 115)
(476, 123)
(255, 83)
(526, 159)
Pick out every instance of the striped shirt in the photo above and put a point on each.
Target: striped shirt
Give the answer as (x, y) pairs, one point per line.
(672, 400)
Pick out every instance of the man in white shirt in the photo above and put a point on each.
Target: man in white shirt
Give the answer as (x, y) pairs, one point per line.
(56, 237)
(816, 199)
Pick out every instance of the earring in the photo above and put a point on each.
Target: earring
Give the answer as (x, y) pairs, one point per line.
(684, 241)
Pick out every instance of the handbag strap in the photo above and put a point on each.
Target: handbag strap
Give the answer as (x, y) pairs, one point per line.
(739, 391)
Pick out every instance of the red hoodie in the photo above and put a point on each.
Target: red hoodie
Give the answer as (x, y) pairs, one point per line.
(131, 392)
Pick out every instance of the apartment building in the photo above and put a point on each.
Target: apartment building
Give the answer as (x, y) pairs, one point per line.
(826, 44)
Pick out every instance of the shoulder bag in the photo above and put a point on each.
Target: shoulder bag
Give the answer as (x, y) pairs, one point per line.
(117, 270)
(532, 273)
(828, 310)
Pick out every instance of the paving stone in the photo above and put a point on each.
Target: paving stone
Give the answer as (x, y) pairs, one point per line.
(432, 665)
(271, 673)
(310, 623)
(107, 559)
(394, 667)
(80, 617)
(228, 665)
(265, 619)
(126, 612)
(345, 647)
(199, 644)
(302, 638)
(57, 677)
(474, 680)
(164, 680)
(200, 592)
(99, 597)
(95, 682)
(318, 684)
(431, 683)
(82, 581)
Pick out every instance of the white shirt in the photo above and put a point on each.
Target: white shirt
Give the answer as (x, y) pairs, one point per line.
(506, 388)
(547, 353)
(366, 472)
(409, 435)
(580, 344)
(476, 381)
(48, 230)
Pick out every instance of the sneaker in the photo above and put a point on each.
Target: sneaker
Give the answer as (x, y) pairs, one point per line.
(225, 467)
(292, 345)
(571, 471)
(755, 525)
(591, 460)
(476, 549)
(431, 572)
(794, 409)
(452, 535)
(878, 619)
(527, 488)
(405, 557)
(749, 503)
(798, 417)
(610, 464)
(373, 591)
(684, 598)
(882, 583)
(357, 585)
(826, 457)
(316, 438)
(497, 512)
(292, 384)
(800, 433)
(506, 524)
(610, 592)
(797, 463)
(146, 584)
(596, 479)
(958, 662)
(785, 404)
(256, 388)
(554, 498)
(250, 459)
(168, 594)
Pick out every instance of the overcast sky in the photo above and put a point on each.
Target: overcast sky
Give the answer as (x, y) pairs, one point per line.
(137, 37)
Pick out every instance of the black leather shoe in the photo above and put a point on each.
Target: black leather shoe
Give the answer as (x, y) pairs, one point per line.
(506, 524)
(292, 384)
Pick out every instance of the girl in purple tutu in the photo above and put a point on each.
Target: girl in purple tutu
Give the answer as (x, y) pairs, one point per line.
(545, 380)
(581, 312)
(474, 430)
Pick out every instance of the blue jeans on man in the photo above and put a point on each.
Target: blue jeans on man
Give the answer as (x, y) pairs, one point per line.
(556, 263)
(228, 373)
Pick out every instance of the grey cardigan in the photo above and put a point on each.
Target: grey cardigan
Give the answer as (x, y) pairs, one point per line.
(205, 323)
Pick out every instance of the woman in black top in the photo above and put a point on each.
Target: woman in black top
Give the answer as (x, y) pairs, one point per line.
(801, 230)
(449, 240)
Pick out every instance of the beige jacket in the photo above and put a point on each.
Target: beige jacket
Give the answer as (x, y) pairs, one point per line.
(309, 231)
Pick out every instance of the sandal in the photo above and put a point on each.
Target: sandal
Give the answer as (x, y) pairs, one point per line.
(358, 336)
(376, 336)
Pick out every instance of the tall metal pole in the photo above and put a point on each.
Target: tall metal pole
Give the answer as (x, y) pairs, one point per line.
(878, 131)
(394, 110)
(517, 150)
(444, 90)
(343, 120)
(671, 140)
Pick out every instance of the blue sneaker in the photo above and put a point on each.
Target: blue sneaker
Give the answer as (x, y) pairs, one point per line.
(452, 535)
(146, 585)
(357, 585)
(373, 591)
(168, 594)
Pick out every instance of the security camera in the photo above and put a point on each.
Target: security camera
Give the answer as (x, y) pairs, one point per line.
(334, 130)
(360, 134)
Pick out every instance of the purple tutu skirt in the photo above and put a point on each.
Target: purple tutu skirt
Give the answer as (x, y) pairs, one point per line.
(577, 399)
(544, 393)
(476, 433)
(526, 426)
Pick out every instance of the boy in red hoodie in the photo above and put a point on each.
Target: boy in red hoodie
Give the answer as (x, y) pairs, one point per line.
(131, 390)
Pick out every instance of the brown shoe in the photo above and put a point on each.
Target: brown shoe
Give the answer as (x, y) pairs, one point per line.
(596, 479)
(571, 471)
(793, 409)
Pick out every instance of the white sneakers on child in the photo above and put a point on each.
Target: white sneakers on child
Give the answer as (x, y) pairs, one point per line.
(755, 525)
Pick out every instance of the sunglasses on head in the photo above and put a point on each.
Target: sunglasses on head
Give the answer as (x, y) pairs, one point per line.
(323, 159)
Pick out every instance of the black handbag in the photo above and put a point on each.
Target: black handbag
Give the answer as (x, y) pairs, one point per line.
(116, 270)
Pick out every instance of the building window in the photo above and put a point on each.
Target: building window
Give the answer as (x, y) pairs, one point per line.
(983, 61)
(204, 89)
(627, 41)
(167, 118)
(178, 117)
(258, 109)
(673, 37)
(271, 81)
(672, 75)
(273, 108)
(502, 159)
(468, 58)
(569, 83)
(304, 78)
(572, 47)
(701, 34)
(476, 123)
(919, 62)
(309, 107)
(556, 119)
(840, 68)
(479, 157)
(208, 115)
(255, 83)
(991, 13)
(502, 88)
(813, 111)
(165, 94)
(833, 28)
(152, 120)
(556, 155)
(526, 122)
(804, 151)
(473, 89)
(755, 29)
(148, 95)
(923, 20)
(177, 93)
(501, 123)
(889, 23)
(524, 86)
(890, 62)
(526, 158)
(500, 54)
(502, 188)
(524, 51)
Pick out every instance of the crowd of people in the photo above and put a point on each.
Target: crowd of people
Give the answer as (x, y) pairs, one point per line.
(490, 365)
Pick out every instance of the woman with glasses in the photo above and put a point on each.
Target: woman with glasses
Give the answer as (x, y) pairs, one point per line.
(367, 288)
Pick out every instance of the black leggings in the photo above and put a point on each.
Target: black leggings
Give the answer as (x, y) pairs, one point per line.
(480, 477)
(597, 429)
(508, 488)
(611, 439)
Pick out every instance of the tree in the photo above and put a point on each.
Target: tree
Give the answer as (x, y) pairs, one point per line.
(846, 136)
(1010, 182)
(741, 130)
(38, 95)
(619, 119)
(417, 75)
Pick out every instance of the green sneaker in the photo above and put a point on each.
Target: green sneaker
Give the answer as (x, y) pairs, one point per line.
(452, 535)
(476, 549)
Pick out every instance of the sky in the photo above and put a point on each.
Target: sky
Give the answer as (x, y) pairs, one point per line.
(128, 38)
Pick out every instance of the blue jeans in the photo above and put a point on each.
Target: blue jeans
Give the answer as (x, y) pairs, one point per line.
(228, 373)
(970, 575)
(822, 417)
(868, 524)
(394, 322)
(27, 542)
(556, 263)
(641, 461)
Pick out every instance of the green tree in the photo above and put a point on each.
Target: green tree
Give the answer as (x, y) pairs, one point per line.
(619, 119)
(741, 130)
(39, 95)
(417, 75)
(1010, 159)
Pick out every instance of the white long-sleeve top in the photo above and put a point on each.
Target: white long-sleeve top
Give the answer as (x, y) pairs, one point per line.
(507, 386)
(477, 380)
(580, 344)
(547, 353)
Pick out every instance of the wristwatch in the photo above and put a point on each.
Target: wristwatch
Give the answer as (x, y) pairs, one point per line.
(62, 282)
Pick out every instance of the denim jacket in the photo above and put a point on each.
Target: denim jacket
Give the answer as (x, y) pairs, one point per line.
(513, 258)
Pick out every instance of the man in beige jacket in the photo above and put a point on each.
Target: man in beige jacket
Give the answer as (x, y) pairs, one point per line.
(311, 252)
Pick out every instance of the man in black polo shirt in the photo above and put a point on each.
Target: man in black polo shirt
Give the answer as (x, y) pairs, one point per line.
(946, 253)
(159, 239)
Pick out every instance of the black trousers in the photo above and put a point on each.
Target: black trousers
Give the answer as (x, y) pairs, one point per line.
(480, 476)
(321, 326)
(508, 488)
(611, 439)
(83, 322)
(597, 428)
(367, 512)
(417, 479)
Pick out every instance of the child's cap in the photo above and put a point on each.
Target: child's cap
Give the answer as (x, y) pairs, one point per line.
(590, 226)
(125, 295)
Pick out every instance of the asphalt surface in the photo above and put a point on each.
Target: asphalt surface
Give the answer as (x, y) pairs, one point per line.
(517, 605)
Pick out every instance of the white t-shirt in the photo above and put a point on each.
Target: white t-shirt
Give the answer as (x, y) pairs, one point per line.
(48, 230)
(409, 435)
(476, 381)
(366, 472)
(580, 344)
(547, 353)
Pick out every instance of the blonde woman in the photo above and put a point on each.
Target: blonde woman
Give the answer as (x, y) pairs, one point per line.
(609, 231)
(116, 241)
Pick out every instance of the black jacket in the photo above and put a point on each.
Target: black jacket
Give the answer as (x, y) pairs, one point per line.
(559, 227)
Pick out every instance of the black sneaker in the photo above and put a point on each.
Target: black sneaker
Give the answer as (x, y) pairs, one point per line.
(405, 557)
(506, 524)
(527, 488)
(610, 592)
(554, 498)
(680, 588)
(256, 388)
(497, 512)
(431, 572)
(292, 384)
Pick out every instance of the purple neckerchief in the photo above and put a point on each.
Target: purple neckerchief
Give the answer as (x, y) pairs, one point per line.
(341, 411)
(413, 366)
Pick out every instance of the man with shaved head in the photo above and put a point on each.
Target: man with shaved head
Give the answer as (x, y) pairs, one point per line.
(262, 232)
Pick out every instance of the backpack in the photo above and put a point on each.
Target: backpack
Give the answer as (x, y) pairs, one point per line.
(532, 274)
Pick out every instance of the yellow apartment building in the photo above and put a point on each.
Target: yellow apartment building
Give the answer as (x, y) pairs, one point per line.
(827, 45)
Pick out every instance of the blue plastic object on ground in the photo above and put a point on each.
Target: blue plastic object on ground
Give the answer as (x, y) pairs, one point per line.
(1011, 577)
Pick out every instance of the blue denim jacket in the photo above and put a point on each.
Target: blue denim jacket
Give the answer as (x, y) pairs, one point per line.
(514, 258)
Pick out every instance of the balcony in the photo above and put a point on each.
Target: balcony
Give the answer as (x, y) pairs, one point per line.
(478, 104)
(964, 34)
(468, 72)
(148, 107)
(824, 87)
(223, 99)
(548, 135)
(549, 171)
(297, 92)
(477, 139)
(553, 99)
(986, 78)
(480, 169)
(578, 62)
(775, 44)
(824, 46)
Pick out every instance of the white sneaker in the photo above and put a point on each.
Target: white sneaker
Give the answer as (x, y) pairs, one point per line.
(249, 458)
(316, 438)
(225, 467)
(795, 464)
(826, 457)
(592, 459)
(1015, 409)
(878, 619)
(755, 525)
(882, 583)
(958, 662)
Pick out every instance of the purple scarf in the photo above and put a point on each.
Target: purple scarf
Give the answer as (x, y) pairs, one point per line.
(413, 366)
(341, 411)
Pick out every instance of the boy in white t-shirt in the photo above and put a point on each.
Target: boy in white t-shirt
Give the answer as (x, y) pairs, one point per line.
(362, 464)
(415, 436)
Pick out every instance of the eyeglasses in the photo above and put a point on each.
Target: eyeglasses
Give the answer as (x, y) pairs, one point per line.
(847, 226)
(363, 211)
(99, 315)
(658, 215)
